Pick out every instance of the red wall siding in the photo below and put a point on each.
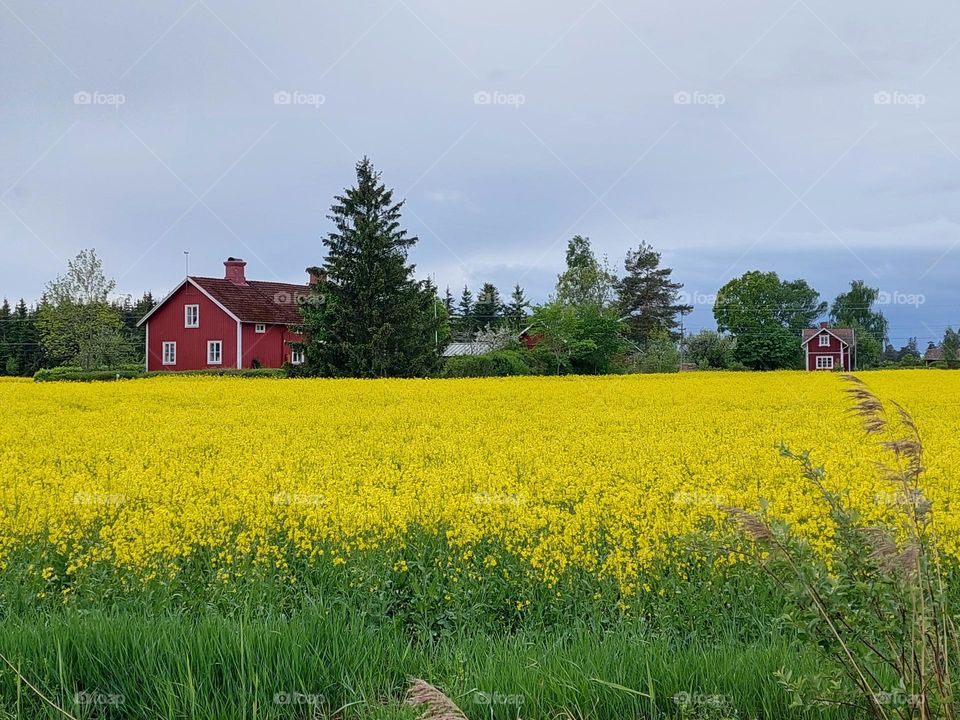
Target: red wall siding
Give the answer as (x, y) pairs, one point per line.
(166, 324)
(270, 348)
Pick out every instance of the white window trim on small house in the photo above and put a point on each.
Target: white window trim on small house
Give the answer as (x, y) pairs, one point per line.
(824, 362)
(824, 340)
(191, 316)
(296, 357)
(169, 353)
(260, 328)
(214, 352)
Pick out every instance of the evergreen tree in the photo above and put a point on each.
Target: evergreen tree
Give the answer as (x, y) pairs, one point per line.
(909, 354)
(368, 316)
(448, 302)
(489, 307)
(648, 296)
(466, 323)
(951, 348)
(26, 355)
(6, 338)
(516, 309)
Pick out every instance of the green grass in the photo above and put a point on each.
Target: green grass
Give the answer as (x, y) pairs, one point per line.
(217, 667)
(343, 640)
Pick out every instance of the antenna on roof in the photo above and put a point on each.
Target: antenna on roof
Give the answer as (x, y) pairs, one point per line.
(186, 263)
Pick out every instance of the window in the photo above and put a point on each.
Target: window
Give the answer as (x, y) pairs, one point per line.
(169, 353)
(214, 352)
(296, 357)
(191, 316)
(824, 339)
(824, 362)
(260, 328)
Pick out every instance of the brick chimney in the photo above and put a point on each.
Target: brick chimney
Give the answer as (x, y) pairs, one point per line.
(824, 325)
(234, 271)
(316, 276)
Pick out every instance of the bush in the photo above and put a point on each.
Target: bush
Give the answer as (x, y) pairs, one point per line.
(129, 372)
(261, 372)
(499, 363)
(77, 375)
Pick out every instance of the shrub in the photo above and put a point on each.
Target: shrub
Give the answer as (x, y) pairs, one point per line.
(499, 363)
(78, 375)
(129, 372)
(261, 372)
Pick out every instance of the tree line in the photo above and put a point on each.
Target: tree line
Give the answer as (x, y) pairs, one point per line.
(367, 315)
(75, 323)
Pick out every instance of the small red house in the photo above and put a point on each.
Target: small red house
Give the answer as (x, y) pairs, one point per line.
(227, 322)
(829, 348)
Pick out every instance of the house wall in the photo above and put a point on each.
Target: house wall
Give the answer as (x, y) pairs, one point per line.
(270, 348)
(836, 350)
(167, 324)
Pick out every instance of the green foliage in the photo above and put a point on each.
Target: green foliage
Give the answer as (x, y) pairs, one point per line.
(766, 315)
(488, 309)
(134, 371)
(854, 309)
(76, 322)
(582, 339)
(648, 296)
(367, 316)
(76, 374)
(499, 363)
(878, 606)
(710, 350)
(951, 349)
(587, 280)
(659, 354)
(516, 310)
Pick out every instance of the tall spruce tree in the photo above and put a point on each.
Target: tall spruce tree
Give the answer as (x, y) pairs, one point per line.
(649, 296)
(516, 309)
(6, 337)
(489, 306)
(466, 324)
(448, 301)
(368, 316)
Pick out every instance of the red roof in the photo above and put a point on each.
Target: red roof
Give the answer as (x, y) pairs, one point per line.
(257, 301)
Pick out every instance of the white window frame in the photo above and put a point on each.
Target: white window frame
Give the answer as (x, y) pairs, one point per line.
(824, 340)
(186, 316)
(260, 328)
(219, 346)
(824, 362)
(296, 356)
(171, 345)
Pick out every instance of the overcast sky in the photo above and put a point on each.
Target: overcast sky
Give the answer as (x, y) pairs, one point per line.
(814, 138)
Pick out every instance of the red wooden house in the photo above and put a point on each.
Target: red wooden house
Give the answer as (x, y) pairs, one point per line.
(830, 348)
(227, 322)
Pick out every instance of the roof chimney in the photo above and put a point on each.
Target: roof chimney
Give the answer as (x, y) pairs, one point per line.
(824, 324)
(316, 275)
(234, 271)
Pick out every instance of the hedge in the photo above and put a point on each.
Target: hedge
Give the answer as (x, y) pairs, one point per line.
(131, 372)
(499, 363)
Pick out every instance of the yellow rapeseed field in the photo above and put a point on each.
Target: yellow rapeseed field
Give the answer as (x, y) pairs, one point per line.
(594, 474)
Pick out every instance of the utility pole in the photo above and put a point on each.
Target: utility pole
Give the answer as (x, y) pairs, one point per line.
(682, 340)
(186, 263)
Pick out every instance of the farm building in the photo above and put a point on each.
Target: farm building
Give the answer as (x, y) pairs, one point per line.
(830, 348)
(933, 355)
(227, 322)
